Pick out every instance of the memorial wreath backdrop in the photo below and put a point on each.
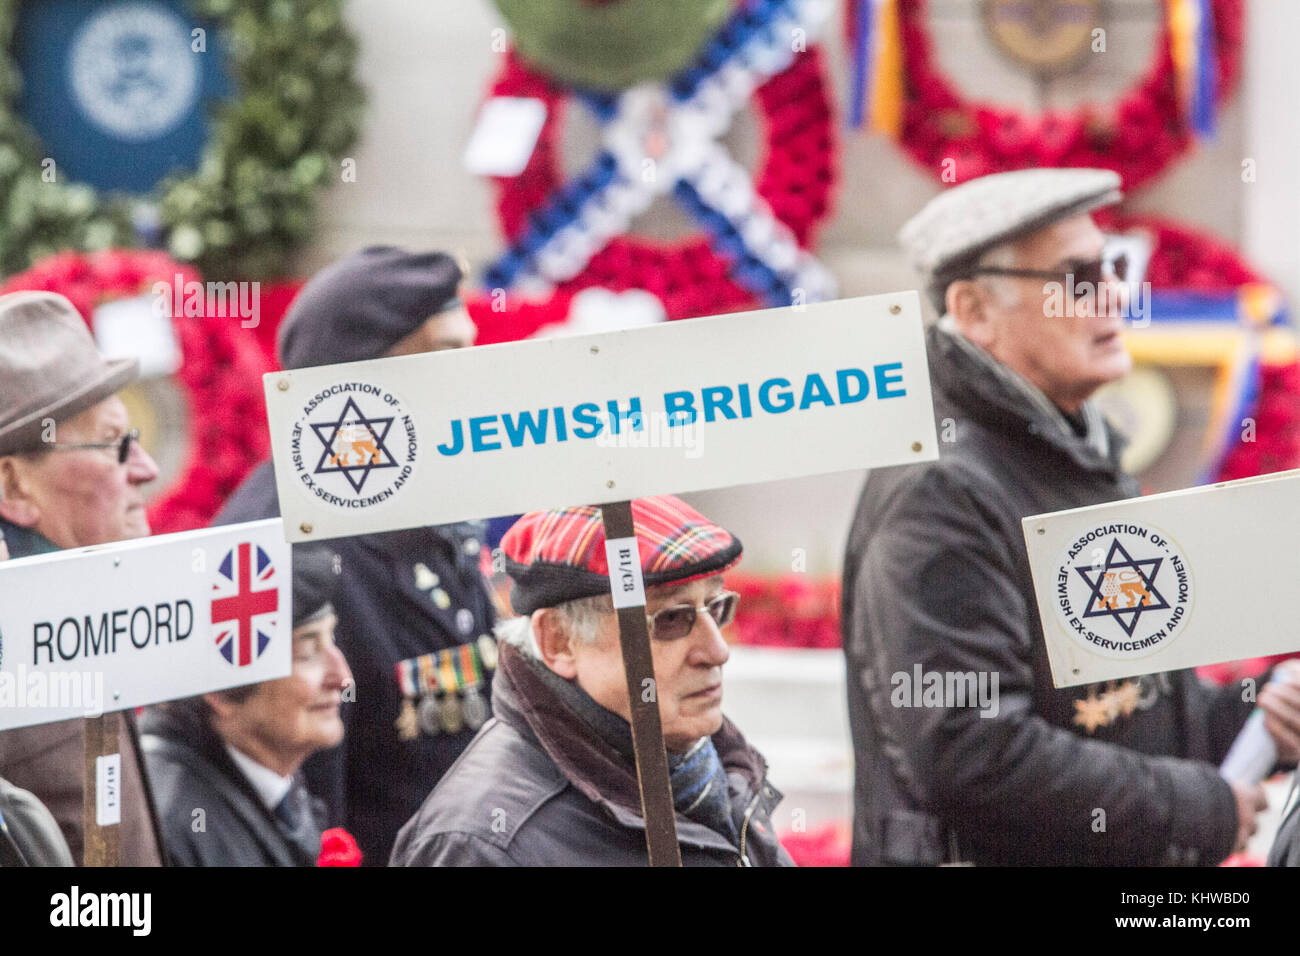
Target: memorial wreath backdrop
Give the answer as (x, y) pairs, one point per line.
(752, 247)
(250, 203)
(1138, 136)
(220, 374)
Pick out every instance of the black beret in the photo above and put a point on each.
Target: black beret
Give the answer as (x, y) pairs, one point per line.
(361, 306)
(315, 580)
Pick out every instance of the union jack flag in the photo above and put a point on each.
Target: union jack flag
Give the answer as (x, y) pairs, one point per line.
(246, 596)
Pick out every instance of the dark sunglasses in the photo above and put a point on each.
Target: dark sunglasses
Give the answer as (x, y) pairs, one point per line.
(123, 445)
(679, 620)
(1087, 275)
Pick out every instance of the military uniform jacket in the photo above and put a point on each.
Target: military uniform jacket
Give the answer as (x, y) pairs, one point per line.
(403, 596)
(936, 577)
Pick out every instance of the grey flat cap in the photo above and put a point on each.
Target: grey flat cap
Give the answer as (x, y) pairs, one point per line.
(958, 226)
(49, 367)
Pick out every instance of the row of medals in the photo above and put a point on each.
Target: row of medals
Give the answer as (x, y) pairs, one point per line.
(449, 710)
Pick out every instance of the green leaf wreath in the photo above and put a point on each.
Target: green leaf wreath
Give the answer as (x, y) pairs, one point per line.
(250, 203)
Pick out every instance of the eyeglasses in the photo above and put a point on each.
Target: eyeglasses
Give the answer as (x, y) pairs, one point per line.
(679, 620)
(1087, 276)
(123, 445)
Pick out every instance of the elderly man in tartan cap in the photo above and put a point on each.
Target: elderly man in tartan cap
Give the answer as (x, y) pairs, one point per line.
(551, 780)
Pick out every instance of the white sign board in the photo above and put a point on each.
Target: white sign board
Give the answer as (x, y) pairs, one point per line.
(1168, 581)
(679, 407)
(138, 622)
(505, 136)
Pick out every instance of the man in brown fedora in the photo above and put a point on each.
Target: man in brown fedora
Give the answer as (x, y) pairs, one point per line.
(71, 474)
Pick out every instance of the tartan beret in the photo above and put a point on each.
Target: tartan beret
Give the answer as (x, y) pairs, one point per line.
(559, 555)
(959, 225)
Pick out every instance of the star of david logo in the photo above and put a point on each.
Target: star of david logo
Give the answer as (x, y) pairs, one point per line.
(1123, 588)
(354, 445)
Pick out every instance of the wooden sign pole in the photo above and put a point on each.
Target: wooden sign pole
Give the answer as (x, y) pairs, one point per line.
(102, 843)
(647, 732)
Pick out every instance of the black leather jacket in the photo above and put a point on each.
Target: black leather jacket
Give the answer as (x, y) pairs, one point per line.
(535, 789)
(936, 575)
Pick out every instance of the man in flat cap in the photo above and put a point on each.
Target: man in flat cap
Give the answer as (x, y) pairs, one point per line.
(551, 780)
(937, 580)
(71, 475)
(415, 613)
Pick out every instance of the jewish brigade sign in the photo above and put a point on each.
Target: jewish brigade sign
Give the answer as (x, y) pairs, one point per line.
(1161, 583)
(679, 407)
(112, 627)
(601, 419)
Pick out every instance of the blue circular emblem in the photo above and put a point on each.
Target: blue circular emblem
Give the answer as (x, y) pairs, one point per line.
(118, 91)
(131, 71)
(354, 445)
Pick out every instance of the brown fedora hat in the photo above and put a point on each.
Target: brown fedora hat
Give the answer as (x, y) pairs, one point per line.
(49, 367)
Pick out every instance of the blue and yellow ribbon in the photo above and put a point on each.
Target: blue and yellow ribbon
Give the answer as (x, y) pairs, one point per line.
(877, 78)
(1195, 58)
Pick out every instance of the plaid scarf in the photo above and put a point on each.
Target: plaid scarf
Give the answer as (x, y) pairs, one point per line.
(700, 789)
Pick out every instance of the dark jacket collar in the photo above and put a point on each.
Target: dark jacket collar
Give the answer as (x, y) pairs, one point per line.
(448, 541)
(987, 397)
(24, 542)
(181, 725)
(521, 698)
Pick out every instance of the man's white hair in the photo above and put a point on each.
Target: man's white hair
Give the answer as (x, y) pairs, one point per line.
(1006, 292)
(581, 619)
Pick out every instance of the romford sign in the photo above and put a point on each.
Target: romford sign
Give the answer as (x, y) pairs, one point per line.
(118, 626)
(678, 407)
(1167, 581)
